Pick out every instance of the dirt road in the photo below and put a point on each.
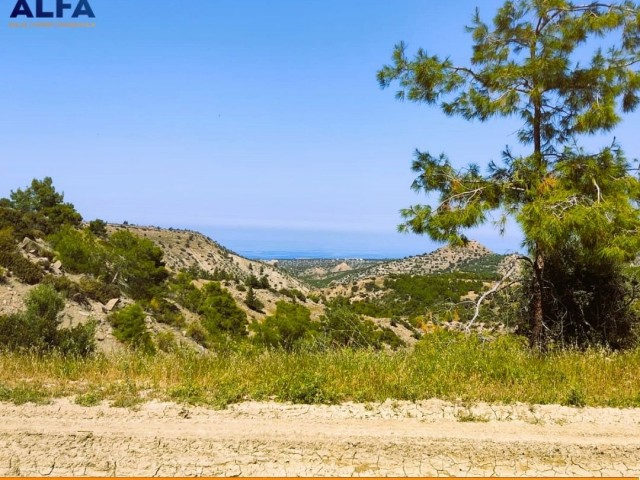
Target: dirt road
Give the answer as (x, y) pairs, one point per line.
(431, 438)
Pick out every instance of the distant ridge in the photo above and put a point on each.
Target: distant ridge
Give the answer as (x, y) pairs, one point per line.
(444, 258)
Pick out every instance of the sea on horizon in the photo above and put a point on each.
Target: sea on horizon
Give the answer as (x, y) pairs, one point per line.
(280, 244)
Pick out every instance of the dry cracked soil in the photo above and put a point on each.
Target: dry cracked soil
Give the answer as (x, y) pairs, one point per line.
(429, 438)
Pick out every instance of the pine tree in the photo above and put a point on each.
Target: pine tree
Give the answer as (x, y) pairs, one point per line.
(529, 64)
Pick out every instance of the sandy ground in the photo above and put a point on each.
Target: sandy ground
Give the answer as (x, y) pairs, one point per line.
(430, 438)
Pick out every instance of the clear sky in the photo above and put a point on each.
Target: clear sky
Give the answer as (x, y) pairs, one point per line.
(257, 122)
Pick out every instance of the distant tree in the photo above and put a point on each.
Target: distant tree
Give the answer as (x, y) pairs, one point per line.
(532, 63)
(42, 207)
(252, 301)
(98, 228)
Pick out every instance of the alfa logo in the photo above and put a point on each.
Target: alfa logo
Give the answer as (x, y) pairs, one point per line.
(23, 9)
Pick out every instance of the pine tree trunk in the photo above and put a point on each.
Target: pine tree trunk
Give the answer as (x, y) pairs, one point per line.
(536, 313)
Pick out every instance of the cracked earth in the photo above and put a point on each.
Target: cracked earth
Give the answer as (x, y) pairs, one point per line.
(430, 438)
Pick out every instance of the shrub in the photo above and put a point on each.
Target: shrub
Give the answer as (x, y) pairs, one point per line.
(13, 260)
(97, 290)
(344, 328)
(129, 327)
(286, 329)
(198, 334)
(293, 293)
(79, 251)
(39, 209)
(220, 312)
(78, 341)
(166, 342)
(252, 301)
(98, 228)
(136, 263)
(166, 312)
(63, 285)
(36, 328)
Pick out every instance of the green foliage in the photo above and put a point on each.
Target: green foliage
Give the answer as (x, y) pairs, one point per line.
(198, 334)
(79, 250)
(293, 293)
(38, 210)
(98, 228)
(218, 310)
(530, 63)
(410, 295)
(258, 283)
(97, 290)
(129, 327)
(342, 327)
(220, 313)
(252, 301)
(63, 285)
(135, 264)
(167, 342)
(595, 310)
(78, 341)
(13, 260)
(166, 312)
(37, 328)
(286, 329)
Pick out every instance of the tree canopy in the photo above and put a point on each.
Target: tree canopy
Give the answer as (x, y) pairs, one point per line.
(530, 63)
(37, 210)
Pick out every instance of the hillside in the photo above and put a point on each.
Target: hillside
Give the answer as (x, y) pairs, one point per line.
(473, 257)
(184, 249)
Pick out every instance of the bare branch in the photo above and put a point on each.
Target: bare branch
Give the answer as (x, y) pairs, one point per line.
(493, 290)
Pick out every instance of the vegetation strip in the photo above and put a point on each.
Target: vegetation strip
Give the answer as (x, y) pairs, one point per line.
(448, 366)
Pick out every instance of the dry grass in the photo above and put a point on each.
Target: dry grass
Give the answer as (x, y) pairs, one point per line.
(445, 366)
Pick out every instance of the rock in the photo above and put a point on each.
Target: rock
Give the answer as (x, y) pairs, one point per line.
(111, 305)
(57, 267)
(43, 262)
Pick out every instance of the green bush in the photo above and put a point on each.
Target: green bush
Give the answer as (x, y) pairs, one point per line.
(136, 263)
(13, 260)
(166, 342)
(97, 290)
(293, 293)
(129, 327)
(37, 327)
(286, 329)
(79, 250)
(78, 341)
(198, 334)
(220, 313)
(344, 328)
(98, 228)
(166, 312)
(38, 210)
(63, 285)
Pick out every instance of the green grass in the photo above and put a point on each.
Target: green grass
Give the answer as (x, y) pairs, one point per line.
(446, 366)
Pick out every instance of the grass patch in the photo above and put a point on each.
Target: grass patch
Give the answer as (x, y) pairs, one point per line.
(24, 393)
(446, 366)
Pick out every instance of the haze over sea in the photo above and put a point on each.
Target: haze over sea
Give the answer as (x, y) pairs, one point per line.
(280, 243)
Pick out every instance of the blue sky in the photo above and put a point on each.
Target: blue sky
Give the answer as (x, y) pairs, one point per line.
(259, 123)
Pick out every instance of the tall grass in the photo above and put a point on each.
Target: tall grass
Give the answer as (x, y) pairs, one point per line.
(446, 366)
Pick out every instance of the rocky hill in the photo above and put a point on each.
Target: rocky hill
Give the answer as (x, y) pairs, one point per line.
(184, 249)
(322, 272)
